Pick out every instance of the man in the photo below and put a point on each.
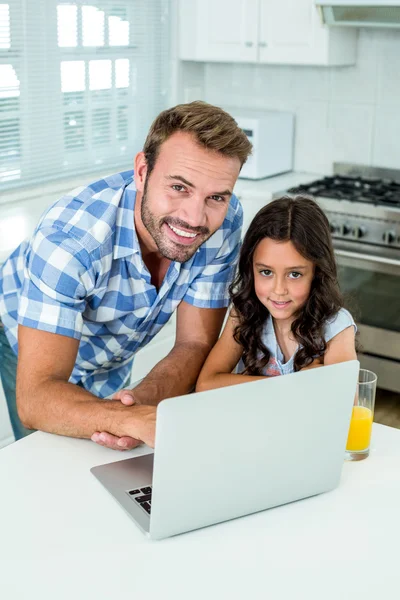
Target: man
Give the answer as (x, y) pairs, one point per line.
(105, 269)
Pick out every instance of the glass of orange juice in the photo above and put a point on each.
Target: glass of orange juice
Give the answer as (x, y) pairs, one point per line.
(359, 436)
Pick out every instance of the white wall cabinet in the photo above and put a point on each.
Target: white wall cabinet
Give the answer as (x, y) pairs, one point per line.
(262, 31)
(222, 30)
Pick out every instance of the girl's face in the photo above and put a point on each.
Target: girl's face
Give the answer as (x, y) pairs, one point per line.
(282, 278)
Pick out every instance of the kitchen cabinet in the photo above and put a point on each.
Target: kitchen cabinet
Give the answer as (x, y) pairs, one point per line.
(221, 30)
(262, 31)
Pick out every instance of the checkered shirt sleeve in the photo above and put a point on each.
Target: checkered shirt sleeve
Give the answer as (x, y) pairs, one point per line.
(59, 275)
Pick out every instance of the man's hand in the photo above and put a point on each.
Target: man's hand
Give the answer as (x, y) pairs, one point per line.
(103, 438)
(142, 425)
(127, 397)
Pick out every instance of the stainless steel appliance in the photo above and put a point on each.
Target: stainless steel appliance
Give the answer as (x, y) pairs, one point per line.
(360, 13)
(363, 208)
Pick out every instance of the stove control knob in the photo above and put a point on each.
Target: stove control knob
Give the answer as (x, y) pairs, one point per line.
(389, 237)
(358, 232)
(344, 229)
(334, 227)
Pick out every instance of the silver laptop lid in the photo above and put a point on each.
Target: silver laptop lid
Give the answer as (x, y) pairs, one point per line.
(237, 450)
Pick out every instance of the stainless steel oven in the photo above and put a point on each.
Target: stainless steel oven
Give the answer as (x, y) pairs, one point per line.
(371, 285)
(363, 208)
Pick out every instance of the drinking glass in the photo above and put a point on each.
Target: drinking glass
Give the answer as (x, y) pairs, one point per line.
(359, 437)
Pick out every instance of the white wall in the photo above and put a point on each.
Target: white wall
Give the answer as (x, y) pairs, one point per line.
(349, 114)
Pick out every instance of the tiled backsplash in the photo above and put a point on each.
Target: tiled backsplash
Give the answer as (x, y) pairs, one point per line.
(347, 114)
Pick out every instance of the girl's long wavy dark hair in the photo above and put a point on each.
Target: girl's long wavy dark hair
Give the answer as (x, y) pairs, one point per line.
(300, 220)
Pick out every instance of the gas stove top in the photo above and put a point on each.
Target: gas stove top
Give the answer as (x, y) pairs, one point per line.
(356, 189)
(361, 203)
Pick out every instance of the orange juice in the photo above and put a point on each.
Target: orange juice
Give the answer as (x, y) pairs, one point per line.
(360, 429)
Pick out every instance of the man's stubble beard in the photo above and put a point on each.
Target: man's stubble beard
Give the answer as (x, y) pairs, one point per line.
(167, 247)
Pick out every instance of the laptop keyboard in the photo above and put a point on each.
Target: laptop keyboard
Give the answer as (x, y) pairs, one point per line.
(143, 497)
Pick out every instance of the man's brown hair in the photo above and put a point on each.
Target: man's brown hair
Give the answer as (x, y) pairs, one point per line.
(212, 128)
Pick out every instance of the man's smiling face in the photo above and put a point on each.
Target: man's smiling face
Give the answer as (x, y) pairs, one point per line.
(186, 197)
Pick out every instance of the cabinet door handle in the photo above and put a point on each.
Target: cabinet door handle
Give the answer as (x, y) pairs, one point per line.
(249, 44)
(262, 44)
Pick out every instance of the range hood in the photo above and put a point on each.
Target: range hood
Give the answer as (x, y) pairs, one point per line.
(360, 13)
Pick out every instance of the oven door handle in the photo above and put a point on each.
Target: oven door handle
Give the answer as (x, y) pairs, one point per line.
(368, 257)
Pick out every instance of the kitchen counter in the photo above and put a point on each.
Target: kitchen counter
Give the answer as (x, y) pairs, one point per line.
(19, 216)
(254, 194)
(272, 185)
(63, 536)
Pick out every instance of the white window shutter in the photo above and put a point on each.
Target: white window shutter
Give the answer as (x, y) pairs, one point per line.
(80, 83)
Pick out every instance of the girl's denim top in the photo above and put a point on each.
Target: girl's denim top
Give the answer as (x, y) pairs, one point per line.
(277, 364)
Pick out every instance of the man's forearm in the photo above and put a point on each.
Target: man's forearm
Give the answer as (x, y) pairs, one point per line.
(175, 375)
(67, 409)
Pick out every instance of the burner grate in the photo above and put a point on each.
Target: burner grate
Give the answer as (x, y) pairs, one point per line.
(355, 189)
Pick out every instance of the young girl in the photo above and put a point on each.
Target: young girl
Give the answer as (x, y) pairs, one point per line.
(287, 312)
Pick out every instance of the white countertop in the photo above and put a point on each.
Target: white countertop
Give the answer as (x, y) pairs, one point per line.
(272, 185)
(19, 217)
(63, 536)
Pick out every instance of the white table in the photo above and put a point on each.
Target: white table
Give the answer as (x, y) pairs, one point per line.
(62, 536)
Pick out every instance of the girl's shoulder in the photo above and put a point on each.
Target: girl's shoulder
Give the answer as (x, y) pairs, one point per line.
(338, 323)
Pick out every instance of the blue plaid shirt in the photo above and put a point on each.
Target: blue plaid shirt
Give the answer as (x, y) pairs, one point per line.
(82, 275)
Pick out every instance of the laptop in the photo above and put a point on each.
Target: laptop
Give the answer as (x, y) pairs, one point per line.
(233, 451)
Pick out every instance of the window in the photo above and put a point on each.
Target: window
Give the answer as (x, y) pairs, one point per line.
(80, 83)
(9, 101)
